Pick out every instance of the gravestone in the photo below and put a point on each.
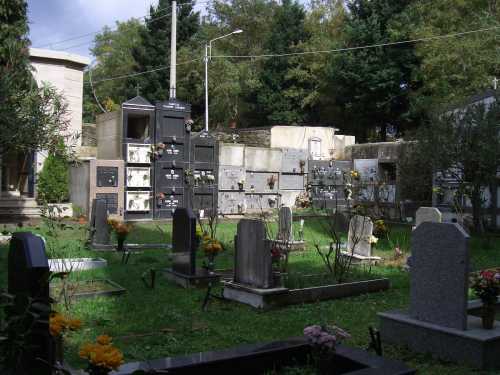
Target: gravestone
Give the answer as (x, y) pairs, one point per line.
(252, 255)
(431, 214)
(184, 241)
(439, 276)
(285, 231)
(99, 228)
(360, 232)
(339, 222)
(28, 282)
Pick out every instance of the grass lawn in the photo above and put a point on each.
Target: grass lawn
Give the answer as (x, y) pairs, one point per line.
(168, 320)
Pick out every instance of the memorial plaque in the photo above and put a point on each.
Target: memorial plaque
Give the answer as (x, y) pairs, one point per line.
(367, 168)
(107, 176)
(172, 151)
(229, 177)
(139, 177)
(358, 238)
(184, 244)
(138, 153)
(252, 255)
(231, 202)
(439, 277)
(138, 201)
(168, 176)
(260, 182)
(291, 182)
(111, 201)
(258, 202)
(292, 160)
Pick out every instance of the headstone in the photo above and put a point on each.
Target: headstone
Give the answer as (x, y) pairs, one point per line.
(28, 281)
(285, 231)
(360, 232)
(252, 255)
(184, 241)
(439, 274)
(339, 222)
(431, 214)
(99, 228)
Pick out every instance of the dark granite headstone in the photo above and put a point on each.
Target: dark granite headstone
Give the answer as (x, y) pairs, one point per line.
(285, 218)
(184, 242)
(99, 228)
(252, 255)
(439, 274)
(340, 222)
(28, 282)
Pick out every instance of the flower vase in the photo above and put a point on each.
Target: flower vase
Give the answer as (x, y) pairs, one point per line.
(240, 186)
(488, 315)
(210, 264)
(97, 370)
(121, 244)
(271, 185)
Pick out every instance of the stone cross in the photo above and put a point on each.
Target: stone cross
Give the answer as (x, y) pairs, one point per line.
(285, 231)
(431, 214)
(439, 277)
(252, 257)
(184, 243)
(358, 238)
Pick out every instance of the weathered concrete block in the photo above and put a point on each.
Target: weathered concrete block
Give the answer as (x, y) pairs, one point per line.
(232, 154)
(263, 159)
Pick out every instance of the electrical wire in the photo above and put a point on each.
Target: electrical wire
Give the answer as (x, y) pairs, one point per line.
(98, 31)
(424, 39)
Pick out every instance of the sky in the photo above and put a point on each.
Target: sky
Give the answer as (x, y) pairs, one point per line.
(52, 21)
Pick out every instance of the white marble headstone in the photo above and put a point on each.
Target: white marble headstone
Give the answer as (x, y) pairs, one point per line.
(360, 232)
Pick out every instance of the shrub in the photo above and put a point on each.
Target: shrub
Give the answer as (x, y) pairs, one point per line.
(53, 180)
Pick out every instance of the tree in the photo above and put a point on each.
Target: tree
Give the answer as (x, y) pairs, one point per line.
(53, 180)
(454, 68)
(112, 50)
(154, 50)
(465, 144)
(31, 118)
(371, 87)
(281, 86)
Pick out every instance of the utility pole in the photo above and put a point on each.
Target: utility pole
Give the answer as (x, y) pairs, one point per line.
(173, 51)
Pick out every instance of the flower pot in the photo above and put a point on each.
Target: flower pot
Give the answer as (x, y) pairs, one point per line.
(488, 315)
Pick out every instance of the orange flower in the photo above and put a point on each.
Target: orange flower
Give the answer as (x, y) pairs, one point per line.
(103, 340)
(59, 324)
(102, 354)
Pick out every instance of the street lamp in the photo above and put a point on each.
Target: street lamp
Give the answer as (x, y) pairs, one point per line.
(208, 56)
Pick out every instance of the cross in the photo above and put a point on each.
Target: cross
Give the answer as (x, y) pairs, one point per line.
(137, 89)
(495, 83)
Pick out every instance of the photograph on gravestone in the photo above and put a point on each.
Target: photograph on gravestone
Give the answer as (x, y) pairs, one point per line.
(252, 255)
(439, 278)
(359, 236)
(184, 241)
(28, 282)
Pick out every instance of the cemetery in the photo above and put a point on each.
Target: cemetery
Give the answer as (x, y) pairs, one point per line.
(333, 216)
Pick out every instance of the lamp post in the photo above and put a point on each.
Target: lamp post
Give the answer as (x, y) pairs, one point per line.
(208, 56)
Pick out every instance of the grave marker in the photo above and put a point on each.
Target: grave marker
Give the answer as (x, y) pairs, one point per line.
(99, 229)
(285, 231)
(431, 214)
(184, 241)
(360, 232)
(439, 276)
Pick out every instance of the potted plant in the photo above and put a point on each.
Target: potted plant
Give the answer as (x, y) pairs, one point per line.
(58, 325)
(323, 340)
(121, 230)
(102, 356)
(486, 285)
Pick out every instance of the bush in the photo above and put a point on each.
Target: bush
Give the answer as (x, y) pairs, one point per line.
(53, 180)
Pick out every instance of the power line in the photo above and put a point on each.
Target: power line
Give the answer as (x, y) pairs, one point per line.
(424, 39)
(162, 67)
(98, 31)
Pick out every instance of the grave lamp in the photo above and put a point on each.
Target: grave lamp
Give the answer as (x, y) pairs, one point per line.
(208, 56)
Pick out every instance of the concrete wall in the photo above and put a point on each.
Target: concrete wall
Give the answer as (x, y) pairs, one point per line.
(109, 134)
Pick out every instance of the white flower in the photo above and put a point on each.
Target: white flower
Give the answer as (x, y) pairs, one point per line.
(373, 239)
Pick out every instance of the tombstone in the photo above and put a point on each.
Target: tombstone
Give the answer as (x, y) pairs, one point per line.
(360, 232)
(285, 231)
(28, 281)
(339, 222)
(99, 229)
(252, 255)
(439, 274)
(184, 241)
(425, 214)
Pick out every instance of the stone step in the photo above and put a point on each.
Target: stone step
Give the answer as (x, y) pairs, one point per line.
(18, 202)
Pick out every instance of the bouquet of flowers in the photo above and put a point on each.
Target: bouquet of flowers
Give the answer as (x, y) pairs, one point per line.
(486, 285)
(323, 340)
(380, 229)
(211, 247)
(59, 324)
(121, 230)
(102, 356)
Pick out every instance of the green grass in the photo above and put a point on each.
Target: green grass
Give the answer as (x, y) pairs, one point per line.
(168, 320)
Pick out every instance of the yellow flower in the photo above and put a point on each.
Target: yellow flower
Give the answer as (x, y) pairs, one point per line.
(103, 340)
